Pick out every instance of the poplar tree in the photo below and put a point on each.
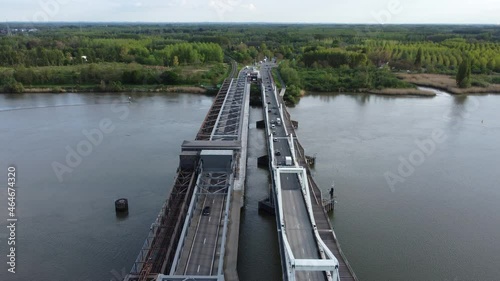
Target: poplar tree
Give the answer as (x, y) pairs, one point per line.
(463, 74)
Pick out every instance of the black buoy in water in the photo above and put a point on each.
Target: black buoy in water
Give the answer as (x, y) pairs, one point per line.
(121, 205)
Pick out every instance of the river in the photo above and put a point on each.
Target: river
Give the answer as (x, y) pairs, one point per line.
(435, 219)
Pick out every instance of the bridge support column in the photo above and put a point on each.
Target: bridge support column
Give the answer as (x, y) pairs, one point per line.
(267, 205)
(261, 124)
(263, 162)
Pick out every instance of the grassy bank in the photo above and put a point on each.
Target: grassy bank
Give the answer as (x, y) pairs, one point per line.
(125, 88)
(402, 92)
(112, 77)
(481, 84)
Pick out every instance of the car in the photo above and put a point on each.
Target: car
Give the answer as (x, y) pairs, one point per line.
(275, 139)
(269, 110)
(268, 102)
(206, 211)
(274, 132)
(273, 122)
(272, 126)
(277, 153)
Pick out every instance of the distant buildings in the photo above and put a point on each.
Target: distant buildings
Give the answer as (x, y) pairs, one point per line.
(7, 30)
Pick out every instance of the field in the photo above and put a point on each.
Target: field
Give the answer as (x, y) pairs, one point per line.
(446, 83)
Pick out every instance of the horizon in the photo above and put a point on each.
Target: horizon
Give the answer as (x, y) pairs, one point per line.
(246, 23)
(383, 12)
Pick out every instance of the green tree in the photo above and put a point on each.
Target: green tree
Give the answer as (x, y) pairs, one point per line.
(463, 74)
(418, 58)
(170, 78)
(12, 86)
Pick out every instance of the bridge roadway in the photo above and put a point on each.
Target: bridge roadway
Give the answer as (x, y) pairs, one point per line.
(200, 258)
(297, 223)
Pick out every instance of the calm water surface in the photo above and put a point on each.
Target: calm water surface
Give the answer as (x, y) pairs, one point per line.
(440, 223)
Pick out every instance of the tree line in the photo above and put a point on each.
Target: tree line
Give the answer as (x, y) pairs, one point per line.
(315, 57)
(32, 52)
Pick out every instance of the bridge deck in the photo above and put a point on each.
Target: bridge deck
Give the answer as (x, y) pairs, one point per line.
(320, 216)
(299, 231)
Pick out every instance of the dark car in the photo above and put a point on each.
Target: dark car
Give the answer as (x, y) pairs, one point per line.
(277, 153)
(206, 211)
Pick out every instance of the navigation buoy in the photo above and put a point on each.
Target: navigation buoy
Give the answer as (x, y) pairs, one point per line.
(121, 205)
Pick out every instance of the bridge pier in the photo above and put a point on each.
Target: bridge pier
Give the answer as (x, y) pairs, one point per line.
(263, 162)
(267, 205)
(311, 160)
(261, 124)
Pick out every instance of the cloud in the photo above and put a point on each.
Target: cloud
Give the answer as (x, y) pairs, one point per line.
(250, 7)
(444, 11)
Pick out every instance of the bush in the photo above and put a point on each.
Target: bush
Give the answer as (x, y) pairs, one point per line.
(57, 89)
(115, 86)
(170, 78)
(479, 83)
(13, 86)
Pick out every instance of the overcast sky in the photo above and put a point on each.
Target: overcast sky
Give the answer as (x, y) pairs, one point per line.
(302, 11)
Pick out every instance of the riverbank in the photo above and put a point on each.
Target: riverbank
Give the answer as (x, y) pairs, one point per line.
(402, 92)
(446, 83)
(126, 89)
(382, 92)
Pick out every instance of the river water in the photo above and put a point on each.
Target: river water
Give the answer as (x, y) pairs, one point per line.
(435, 219)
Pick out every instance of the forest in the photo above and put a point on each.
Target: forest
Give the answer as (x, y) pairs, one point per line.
(312, 57)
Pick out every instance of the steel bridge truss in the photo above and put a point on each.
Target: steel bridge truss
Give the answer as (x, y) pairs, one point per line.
(156, 255)
(208, 124)
(214, 183)
(328, 263)
(228, 123)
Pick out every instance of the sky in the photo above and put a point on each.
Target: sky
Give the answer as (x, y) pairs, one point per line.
(291, 11)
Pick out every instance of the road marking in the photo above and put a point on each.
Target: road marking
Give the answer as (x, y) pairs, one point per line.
(209, 218)
(213, 201)
(204, 240)
(198, 268)
(303, 251)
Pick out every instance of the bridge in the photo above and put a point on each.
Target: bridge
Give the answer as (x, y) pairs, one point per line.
(308, 245)
(195, 235)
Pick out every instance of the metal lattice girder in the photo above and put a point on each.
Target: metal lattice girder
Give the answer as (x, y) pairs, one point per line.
(156, 253)
(215, 183)
(228, 123)
(211, 117)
